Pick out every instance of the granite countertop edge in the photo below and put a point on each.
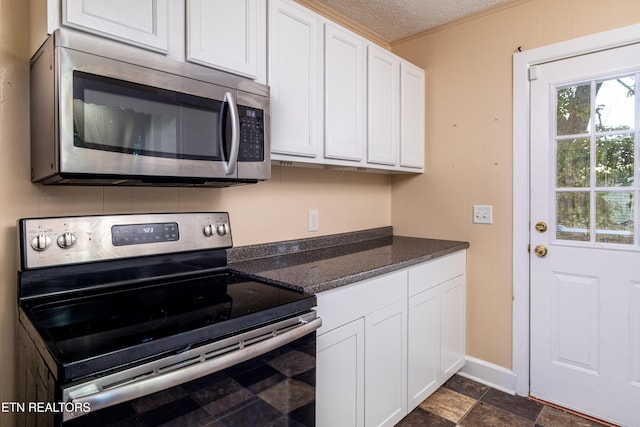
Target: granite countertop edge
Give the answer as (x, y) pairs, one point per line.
(350, 278)
(283, 263)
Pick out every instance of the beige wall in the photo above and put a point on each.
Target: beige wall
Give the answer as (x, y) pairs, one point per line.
(270, 211)
(468, 158)
(469, 138)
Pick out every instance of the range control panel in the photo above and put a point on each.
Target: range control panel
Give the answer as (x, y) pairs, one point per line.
(48, 242)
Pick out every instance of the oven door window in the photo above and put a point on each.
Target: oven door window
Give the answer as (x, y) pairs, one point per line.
(125, 117)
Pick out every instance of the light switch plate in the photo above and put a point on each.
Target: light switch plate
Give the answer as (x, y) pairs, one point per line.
(482, 214)
(314, 220)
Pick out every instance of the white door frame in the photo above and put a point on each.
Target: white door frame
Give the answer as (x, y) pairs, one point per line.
(521, 279)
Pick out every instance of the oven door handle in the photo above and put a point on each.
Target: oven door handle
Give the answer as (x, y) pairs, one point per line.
(144, 387)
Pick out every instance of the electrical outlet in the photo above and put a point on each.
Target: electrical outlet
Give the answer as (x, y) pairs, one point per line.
(482, 214)
(314, 220)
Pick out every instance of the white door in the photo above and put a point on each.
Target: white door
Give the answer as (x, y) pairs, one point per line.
(585, 186)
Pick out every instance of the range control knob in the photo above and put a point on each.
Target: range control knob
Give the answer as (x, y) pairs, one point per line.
(66, 240)
(41, 242)
(222, 229)
(208, 230)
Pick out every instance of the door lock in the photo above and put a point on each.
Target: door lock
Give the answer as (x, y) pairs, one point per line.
(541, 227)
(540, 250)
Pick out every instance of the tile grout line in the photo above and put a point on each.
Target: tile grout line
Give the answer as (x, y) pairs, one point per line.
(471, 408)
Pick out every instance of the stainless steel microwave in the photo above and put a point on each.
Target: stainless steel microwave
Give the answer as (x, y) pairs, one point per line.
(103, 113)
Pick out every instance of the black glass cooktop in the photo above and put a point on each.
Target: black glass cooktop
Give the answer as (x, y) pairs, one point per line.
(129, 324)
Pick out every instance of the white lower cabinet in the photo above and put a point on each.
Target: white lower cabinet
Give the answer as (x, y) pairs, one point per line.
(453, 326)
(389, 342)
(340, 359)
(369, 317)
(437, 324)
(424, 346)
(385, 369)
(362, 370)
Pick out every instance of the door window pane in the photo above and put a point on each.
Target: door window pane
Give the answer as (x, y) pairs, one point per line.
(615, 104)
(573, 216)
(573, 110)
(614, 217)
(614, 160)
(573, 158)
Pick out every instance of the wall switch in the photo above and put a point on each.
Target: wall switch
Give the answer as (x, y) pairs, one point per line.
(314, 220)
(482, 214)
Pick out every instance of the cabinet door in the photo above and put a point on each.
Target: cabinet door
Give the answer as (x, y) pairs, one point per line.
(295, 79)
(453, 325)
(383, 107)
(385, 374)
(340, 376)
(344, 94)
(423, 346)
(411, 116)
(225, 34)
(142, 23)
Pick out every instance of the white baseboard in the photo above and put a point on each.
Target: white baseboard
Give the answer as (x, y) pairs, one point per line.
(489, 374)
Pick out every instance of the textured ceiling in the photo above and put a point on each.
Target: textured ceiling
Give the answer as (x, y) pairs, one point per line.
(395, 19)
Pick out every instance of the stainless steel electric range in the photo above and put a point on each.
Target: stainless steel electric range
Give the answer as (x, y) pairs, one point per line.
(136, 320)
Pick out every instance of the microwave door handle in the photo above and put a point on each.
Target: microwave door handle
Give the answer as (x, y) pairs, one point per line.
(230, 166)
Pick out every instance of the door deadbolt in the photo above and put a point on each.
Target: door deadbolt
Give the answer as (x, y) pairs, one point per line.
(541, 227)
(540, 250)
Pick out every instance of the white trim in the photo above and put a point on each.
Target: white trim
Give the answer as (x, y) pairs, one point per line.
(521, 64)
(489, 374)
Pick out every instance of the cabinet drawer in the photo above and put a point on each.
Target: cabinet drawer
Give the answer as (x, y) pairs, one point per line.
(342, 305)
(433, 273)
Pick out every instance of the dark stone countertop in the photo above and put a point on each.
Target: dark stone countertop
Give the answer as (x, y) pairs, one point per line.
(322, 263)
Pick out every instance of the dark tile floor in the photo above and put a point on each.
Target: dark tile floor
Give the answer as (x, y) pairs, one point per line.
(462, 402)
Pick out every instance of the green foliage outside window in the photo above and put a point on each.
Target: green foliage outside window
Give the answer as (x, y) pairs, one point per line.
(613, 160)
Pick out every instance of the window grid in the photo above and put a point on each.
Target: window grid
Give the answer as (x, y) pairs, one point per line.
(601, 195)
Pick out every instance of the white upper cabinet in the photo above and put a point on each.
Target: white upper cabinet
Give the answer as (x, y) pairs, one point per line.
(344, 94)
(142, 22)
(295, 55)
(383, 107)
(227, 34)
(337, 99)
(411, 116)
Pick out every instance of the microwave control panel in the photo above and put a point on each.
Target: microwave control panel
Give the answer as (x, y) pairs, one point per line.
(251, 134)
